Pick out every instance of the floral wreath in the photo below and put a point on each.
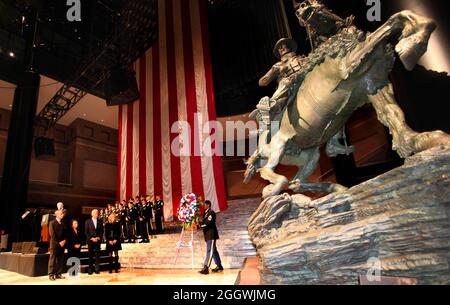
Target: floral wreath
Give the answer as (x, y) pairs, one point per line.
(189, 210)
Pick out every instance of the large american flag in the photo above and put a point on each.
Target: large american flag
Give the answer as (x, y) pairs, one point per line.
(175, 82)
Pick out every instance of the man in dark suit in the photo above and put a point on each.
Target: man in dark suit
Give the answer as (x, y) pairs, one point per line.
(57, 242)
(93, 229)
(208, 224)
(66, 217)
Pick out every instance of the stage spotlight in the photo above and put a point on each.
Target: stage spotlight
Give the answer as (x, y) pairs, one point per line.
(11, 54)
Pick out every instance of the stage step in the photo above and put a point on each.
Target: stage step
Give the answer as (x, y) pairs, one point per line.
(234, 244)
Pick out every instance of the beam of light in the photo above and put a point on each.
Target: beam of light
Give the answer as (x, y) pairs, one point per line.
(436, 57)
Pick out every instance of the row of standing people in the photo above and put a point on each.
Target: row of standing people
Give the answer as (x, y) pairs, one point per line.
(95, 231)
(123, 222)
(136, 217)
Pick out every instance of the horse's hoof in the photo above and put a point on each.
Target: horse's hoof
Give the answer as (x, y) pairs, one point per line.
(295, 186)
(273, 190)
(337, 188)
(427, 140)
(267, 191)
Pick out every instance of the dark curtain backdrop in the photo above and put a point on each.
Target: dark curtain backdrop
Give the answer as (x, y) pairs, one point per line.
(243, 34)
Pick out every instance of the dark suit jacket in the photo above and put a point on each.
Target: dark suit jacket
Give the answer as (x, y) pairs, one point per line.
(90, 230)
(57, 234)
(74, 239)
(208, 224)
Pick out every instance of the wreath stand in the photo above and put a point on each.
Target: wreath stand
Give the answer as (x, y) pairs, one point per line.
(181, 244)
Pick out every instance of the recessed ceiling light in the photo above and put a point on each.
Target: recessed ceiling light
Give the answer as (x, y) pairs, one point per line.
(11, 54)
(84, 114)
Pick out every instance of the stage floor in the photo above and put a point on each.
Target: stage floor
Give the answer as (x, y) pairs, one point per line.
(129, 277)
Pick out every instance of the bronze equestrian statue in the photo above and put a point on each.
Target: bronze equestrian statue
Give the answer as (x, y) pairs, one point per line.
(346, 69)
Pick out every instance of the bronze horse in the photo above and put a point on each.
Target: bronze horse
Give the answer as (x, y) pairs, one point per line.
(347, 70)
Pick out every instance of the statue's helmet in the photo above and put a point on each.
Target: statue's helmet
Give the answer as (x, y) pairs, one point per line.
(318, 18)
(292, 45)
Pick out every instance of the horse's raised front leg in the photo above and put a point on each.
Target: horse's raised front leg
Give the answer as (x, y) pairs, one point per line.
(278, 182)
(414, 30)
(405, 140)
(308, 162)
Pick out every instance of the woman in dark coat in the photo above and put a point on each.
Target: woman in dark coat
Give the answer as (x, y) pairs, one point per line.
(113, 245)
(74, 239)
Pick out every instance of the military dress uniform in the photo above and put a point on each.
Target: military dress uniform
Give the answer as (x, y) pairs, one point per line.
(130, 220)
(208, 224)
(142, 219)
(149, 217)
(103, 219)
(123, 223)
(159, 215)
(137, 226)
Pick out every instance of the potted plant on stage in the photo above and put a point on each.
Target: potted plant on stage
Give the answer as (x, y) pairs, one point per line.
(188, 214)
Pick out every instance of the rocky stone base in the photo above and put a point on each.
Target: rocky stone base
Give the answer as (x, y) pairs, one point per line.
(398, 223)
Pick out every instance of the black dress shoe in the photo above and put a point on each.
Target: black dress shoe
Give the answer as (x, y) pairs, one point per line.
(217, 269)
(97, 272)
(51, 277)
(204, 271)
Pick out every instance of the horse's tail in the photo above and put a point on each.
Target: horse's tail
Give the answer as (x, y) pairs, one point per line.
(253, 164)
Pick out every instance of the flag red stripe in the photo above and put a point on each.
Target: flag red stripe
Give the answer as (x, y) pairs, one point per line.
(176, 92)
(142, 126)
(175, 161)
(191, 98)
(157, 154)
(119, 155)
(129, 171)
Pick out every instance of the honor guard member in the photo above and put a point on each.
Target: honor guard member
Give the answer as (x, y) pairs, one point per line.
(108, 211)
(159, 214)
(208, 224)
(150, 205)
(116, 210)
(122, 218)
(137, 207)
(142, 221)
(130, 220)
(102, 221)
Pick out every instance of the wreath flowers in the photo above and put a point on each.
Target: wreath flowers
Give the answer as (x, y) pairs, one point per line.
(189, 210)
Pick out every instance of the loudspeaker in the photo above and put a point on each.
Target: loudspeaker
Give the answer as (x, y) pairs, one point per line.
(44, 146)
(121, 87)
